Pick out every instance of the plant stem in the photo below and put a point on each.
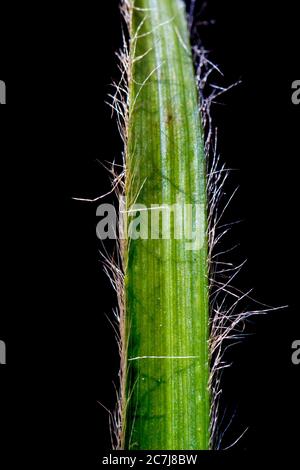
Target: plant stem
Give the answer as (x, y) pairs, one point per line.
(166, 285)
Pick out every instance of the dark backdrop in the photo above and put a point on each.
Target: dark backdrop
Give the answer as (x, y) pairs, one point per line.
(62, 355)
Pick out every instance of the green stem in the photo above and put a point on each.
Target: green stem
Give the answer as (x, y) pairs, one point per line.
(166, 285)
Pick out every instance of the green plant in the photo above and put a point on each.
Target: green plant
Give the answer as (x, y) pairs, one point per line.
(166, 398)
(178, 311)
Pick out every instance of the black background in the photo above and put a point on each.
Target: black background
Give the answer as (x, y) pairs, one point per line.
(61, 351)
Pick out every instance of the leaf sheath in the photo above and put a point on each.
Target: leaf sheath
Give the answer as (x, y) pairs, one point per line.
(166, 285)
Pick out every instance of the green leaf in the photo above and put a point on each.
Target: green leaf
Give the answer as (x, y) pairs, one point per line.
(166, 285)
